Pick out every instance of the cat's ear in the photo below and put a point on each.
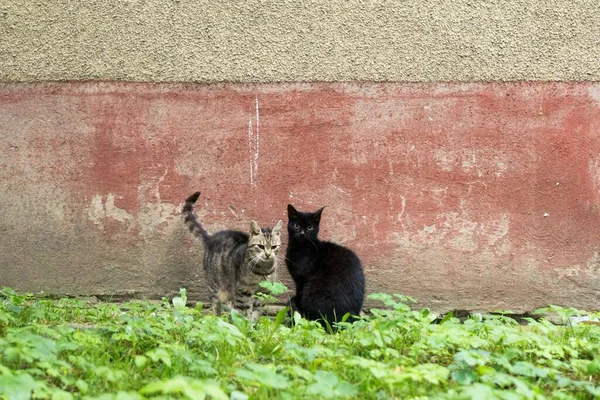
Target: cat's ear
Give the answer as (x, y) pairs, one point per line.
(277, 228)
(317, 214)
(292, 212)
(254, 228)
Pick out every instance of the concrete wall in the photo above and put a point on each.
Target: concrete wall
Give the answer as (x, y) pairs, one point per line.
(463, 195)
(289, 40)
(472, 196)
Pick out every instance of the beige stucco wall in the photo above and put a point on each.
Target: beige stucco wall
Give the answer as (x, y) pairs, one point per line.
(290, 40)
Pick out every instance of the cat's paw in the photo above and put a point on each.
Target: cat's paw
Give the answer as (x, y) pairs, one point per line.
(253, 315)
(293, 305)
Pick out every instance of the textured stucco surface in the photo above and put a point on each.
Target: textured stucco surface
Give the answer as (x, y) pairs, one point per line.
(469, 196)
(288, 40)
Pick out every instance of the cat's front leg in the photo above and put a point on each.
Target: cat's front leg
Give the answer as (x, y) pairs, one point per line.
(294, 306)
(244, 304)
(253, 315)
(222, 301)
(249, 311)
(258, 307)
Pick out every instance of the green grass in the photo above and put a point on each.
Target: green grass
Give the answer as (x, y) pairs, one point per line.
(69, 348)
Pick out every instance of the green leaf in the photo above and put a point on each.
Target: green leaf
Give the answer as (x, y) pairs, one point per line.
(479, 391)
(8, 291)
(447, 317)
(191, 388)
(328, 385)
(127, 396)
(464, 376)
(17, 387)
(58, 394)
(472, 358)
(160, 354)
(527, 369)
(345, 317)
(82, 386)
(593, 368)
(263, 375)
(120, 395)
(240, 322)
(276, 288)
(397, 302)
(297, 318)
(432, 373)
(180, 301)
(280, 317)
(235, 395)
(140, 361)
(346, 389)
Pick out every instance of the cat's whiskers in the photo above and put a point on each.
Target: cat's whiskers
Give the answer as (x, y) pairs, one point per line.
(277, 262)
(254, 261)
(313, 243)
(281, 261)
(258, 258)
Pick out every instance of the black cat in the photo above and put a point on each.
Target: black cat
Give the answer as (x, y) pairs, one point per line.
(329, 278)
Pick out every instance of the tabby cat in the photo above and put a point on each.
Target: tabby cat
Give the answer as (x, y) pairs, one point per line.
(235, 262)
(329, 278)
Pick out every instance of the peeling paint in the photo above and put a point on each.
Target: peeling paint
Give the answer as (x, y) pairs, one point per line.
(115, 212)
(155, 215)
(476, 162)
(96, 210)
(100, 209)
(450, 210)
(254, 145)
(445, 159)
(461, 230)
(148, 220)
(594, 171)
(594, 92)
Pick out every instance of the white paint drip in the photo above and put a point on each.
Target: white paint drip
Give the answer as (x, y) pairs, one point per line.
(250, 147)
(403, 208)
(256, 152)
(254, 145)
(162, 178)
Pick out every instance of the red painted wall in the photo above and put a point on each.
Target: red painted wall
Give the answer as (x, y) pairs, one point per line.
(475, 196)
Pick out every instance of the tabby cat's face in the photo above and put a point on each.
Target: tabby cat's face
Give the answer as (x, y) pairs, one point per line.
(264, 245)
(303, 225)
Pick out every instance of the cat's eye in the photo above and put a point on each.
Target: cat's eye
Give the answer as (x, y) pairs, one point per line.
(297, 226)
(310, 227)
(260, 246)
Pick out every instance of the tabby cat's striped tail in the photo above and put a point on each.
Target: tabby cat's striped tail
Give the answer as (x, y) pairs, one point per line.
(190, 219)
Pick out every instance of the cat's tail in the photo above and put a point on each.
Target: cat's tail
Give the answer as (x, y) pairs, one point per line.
(190, 219)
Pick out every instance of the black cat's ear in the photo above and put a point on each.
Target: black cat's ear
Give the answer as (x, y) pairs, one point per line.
(292, 212)
(254, 228)
(317, 214)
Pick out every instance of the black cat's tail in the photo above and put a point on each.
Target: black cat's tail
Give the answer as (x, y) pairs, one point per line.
(190, 219)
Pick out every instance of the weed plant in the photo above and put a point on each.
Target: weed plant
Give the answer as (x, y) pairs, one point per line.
(72, 348)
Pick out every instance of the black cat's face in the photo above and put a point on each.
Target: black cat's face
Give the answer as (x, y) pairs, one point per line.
(303, 225)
